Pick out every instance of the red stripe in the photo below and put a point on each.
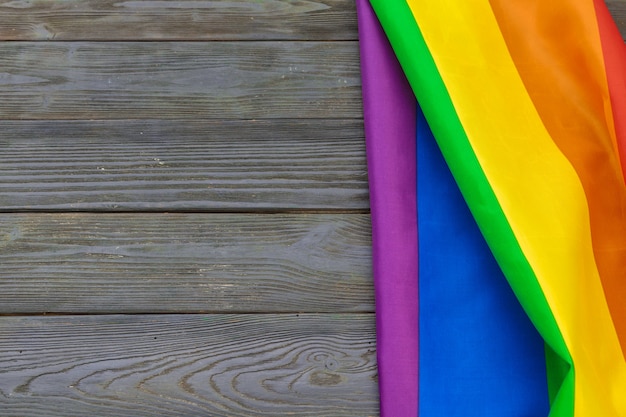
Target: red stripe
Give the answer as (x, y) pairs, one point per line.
(614, 52)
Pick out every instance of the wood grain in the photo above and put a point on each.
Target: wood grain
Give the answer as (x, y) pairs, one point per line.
(182, 165)
(188, 365)
(150, 154)
(618, 11)
(177, 20)
(158, 263)
(170, 80)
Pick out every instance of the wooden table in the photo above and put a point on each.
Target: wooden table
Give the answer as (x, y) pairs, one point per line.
(184, 222)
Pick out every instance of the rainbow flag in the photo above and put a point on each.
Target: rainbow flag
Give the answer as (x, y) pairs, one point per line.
(498, 205)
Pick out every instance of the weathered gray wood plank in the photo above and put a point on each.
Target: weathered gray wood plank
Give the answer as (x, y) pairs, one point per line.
(618, 11)
(169, 80)
(177, 20)
(188, 365)
(158, 263)
(190, 165)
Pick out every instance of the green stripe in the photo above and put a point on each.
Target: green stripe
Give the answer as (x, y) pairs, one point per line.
(559, 370)
(420, 68)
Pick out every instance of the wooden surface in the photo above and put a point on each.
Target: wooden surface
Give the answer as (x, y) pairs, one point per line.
(157, 263)
(168, 80)
(618, 11)
(190, 365)
(184, 222)
(184, 165)
(177, 20)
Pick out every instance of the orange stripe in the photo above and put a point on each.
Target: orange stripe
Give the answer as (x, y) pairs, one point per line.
(582, 126)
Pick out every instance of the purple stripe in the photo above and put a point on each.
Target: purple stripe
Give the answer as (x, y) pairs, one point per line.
(390, 121)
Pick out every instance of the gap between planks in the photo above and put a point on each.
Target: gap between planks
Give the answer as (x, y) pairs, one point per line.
(148, 211)
(190, 313)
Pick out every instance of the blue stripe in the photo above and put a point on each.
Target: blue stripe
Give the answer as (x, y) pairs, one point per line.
(479, 354)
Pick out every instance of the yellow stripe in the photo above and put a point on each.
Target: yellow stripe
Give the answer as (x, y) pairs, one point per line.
(536, 186)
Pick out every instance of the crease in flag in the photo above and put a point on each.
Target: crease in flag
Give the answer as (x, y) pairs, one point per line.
(518, 308)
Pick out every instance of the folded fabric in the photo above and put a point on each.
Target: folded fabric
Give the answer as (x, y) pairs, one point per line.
(526, 101)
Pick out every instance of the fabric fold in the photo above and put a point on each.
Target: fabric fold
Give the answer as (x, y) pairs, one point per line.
(525, 100)
(389, 117)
